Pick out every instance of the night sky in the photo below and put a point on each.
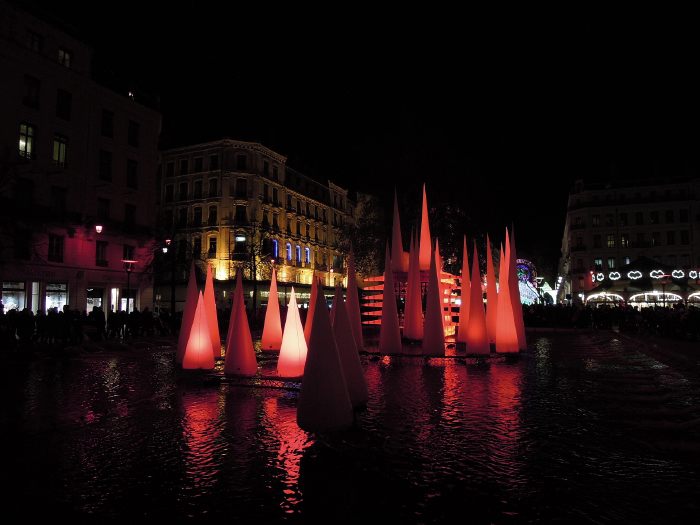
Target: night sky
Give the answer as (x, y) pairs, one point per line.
(498, 116)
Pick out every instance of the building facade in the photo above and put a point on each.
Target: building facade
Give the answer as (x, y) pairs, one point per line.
(237, 205)
(609, 226)
(78, 176)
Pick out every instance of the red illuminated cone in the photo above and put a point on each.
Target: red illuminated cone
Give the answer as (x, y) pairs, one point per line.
(272, 330)
(240, 354)
(349, 357)
(491, 295)
(506, 333)
(389, 332)
(198, 352)
(212, 317)
(187, 315)
(434, 332)
(312, 305)
(413, 311)
(293, 350)
(514, 288)
(353, 303)
(477, 339)
(465, 296)
(426, 244)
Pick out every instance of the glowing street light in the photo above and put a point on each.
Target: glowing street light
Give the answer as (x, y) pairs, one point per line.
(98, 228)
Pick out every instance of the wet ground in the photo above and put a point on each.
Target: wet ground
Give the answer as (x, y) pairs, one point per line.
(584, 427)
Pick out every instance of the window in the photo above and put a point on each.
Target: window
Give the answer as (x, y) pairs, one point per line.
(35, 41)
(212, 216)
(595, 220)
(107, 127)
(182, 194)
(197, 246)
(596, 241)
(242, 188)
(168, 219)
(670, 217)
(197, 221)
(275, 248)
(26, 141)
(105, 170)
(275, 197)
(289, 251)
(289, 202)
(578, 221)
(128, 252)
(58, 200)
(182, 217)
(213, 162)
(132, 178)
(275, 174)
(670, 238)
(103, 209)
(169, 192)
(640, 240)
(56, 248)
(307, 253)
(579, 242)
(60, 145)
(183, 167)
(266, 193)
(266, 169)
(639, 218)
(64, 57)
(133, 134)
(241, 161)
(213, 187)
(656, 239)
(685, 237)
(212, 247)
(622, 218)
(32, 90)
(129, 214)
(625, 240)
(610, 240)
(654, 217)
(683, 215)
(627, 260)
(197, 190)
(170, 169)
(598, 263)
(64, 101)
(241, 216)
(198, 162)
(609, 219)
(298, 252)
(611, 263)
(101, 253)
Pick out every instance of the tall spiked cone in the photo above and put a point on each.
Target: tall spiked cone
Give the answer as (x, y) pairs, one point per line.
(477, 338)
(434, 332)
(353, 303)
(212, 316)
(389, 332)
(324, 403)
(198, 352)
(293, 350)
(514, 287)
(312, 305)
(491, 295)
(426, 244)
(349, 357)
(396, 241)
(506, 333)
(465, 296)
(337, 297)
(272, 331)
(413, 312)
(187, 315)
(240, 354)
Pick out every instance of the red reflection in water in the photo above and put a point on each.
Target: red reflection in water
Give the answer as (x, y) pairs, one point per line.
(281, 421)
(200, 431)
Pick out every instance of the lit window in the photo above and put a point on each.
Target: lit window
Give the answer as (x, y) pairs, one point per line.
(55, 248)
(60, 145)
(611, 263)
(298, 250)
(64, 57)
(308, 254)
(611, 240)
(26, 141)
(289, 251)
(275, 248)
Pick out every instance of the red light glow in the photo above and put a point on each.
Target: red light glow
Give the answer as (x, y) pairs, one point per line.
(293, 348)
(272, 331)
(212, 317)
(198, 350)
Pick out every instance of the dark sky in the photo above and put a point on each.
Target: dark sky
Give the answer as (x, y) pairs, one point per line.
(497, 115)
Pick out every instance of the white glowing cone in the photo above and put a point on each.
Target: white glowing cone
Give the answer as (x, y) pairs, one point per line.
(293, 350)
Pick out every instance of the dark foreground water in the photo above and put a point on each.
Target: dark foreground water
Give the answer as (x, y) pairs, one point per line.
(582, 427)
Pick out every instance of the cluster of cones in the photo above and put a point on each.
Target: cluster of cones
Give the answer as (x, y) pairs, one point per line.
(500, 325)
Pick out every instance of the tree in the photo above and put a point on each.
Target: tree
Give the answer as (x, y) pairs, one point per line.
(366, 236)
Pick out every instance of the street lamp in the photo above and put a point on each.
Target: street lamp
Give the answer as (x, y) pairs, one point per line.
(128, 267)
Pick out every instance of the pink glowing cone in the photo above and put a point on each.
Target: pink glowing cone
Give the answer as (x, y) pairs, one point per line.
(353, 303)
(187, 315)
(506, 333)
(413, 312)
(491, 295)
(272, 331)
(477, 338)
(198, 352)
(293, 351)
(465, 296)
(324, 403)
(349, 357)
(434, 332)
(389, 333)
(396, 241)
(337, 297)
(514, 288)
(212, 316)
(426, 244)
(312, 305)
(240, 354)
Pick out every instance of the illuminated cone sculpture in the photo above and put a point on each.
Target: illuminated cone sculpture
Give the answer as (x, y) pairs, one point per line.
(187, 315)
(293, 350)
(465, 296)
(389, 332)
(353, 303)
(324, 403)
(514, 287)
(396, 242)
(198, 354)
(212, 316)
(441, 287)
(272, 330)
(240, 354)
(491, 295)
(413, 312)
(434, 332)
(477, 338)
(506, 333)
(312, 305)
(426, 244)
(337, 297)
(349, 357)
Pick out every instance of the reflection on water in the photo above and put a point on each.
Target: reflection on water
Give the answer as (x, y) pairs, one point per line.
(574, 430)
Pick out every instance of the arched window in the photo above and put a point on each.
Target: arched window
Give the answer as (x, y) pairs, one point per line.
(289, 251)
(307, 252)
(275, 248)
(298, 253)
